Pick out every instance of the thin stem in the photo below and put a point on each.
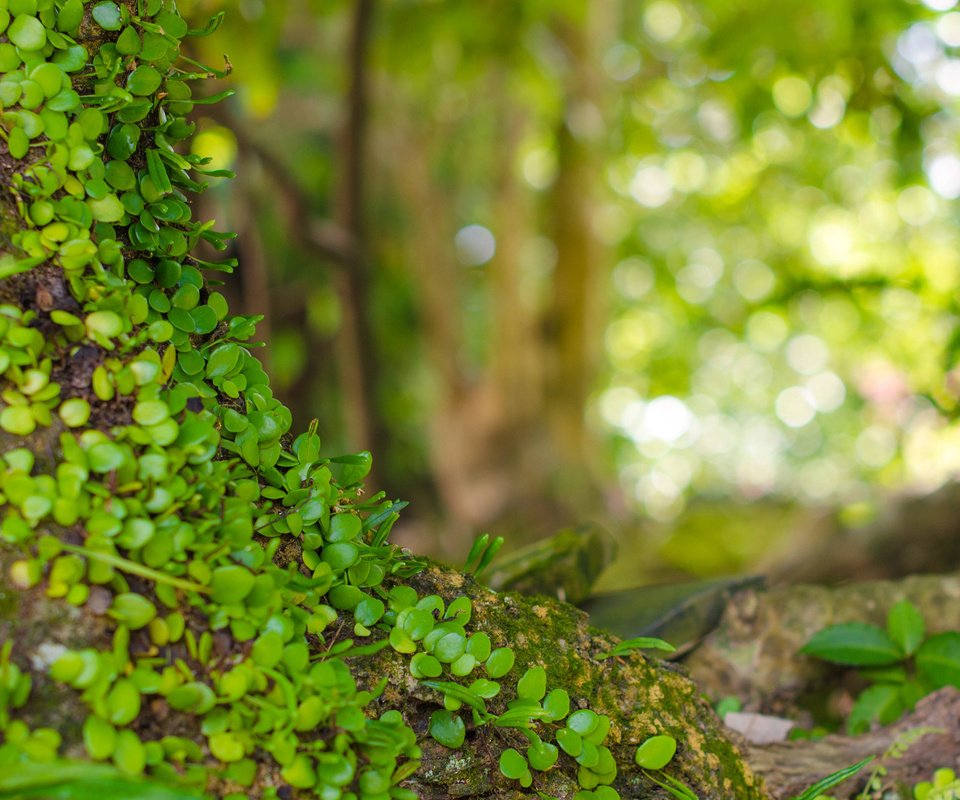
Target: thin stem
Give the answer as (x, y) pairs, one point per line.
(134, 568)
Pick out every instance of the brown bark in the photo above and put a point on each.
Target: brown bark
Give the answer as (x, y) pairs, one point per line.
(573, 320)
(356, 347)
(255, 270)
(904, 754)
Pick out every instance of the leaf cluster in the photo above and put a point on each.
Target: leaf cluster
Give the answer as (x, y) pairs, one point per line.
(900, 661)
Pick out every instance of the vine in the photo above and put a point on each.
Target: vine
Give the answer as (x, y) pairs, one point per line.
(175, 480)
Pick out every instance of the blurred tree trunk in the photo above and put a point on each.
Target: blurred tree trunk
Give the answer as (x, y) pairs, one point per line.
(356, 349)
(508, 440)
(574, 320)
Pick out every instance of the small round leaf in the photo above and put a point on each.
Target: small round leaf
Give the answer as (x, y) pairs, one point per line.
(512, 764)
(656, 752)
(447, 728)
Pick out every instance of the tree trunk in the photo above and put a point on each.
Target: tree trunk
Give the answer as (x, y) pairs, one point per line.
(573, 321)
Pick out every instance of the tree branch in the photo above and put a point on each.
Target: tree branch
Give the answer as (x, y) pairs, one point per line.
(326, 237)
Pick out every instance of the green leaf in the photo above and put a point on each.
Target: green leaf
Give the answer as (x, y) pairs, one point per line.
(106, 457)
(99, 738)
(18, 143)
(906, 627)
(656, 752)
(481, 687)
(460, 610)
(881, 703)
(344, 527)
(194, 696)
(71, 780)
(401, 596)
(129, 755)
(70, 17)
(350, 470)
(231, 583)
(533, 684)
(673, 787)
(340, 555)
(223, 361)
(27, 33)
(172, 24)
(447, 728)
(854, 644)
(557, 704)
(226, 747)
(105, 323)
(911, 692)
(128, 43)
(583, 721)
(500, 662)
(50, 78)
(133, 610)
(212, 25)
(570, 741)
(938, 659)
(106, 209)
(463, 665)
(830, 781)
(542, 756)
(605, 793)
(589, 754)
(122, 141)
(107, 16)
(522, 716)
(150, 412)
(895, 673)
(512, 764)
(476, 550)
(449, 647)
(155, 165)
(600, 731)
(424, 665)
(417, 622)
(478, 645)
(458, 692)
(369, 611)
(18, 420)
(123, 702)
(638, 643)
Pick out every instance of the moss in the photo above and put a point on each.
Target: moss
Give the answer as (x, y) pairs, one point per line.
(642, 696)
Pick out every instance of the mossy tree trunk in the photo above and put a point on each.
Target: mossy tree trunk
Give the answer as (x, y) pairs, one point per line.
(188, 592)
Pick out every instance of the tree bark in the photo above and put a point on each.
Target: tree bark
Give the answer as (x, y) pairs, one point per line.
(357, 353)
(904, 754)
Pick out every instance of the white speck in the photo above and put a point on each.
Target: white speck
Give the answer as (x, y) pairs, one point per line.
(45, 654)
(475, 245)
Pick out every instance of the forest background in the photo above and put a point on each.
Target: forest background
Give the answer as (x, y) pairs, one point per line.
(686, 269)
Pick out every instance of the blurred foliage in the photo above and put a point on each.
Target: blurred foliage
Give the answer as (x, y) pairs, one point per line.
(769, 188)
